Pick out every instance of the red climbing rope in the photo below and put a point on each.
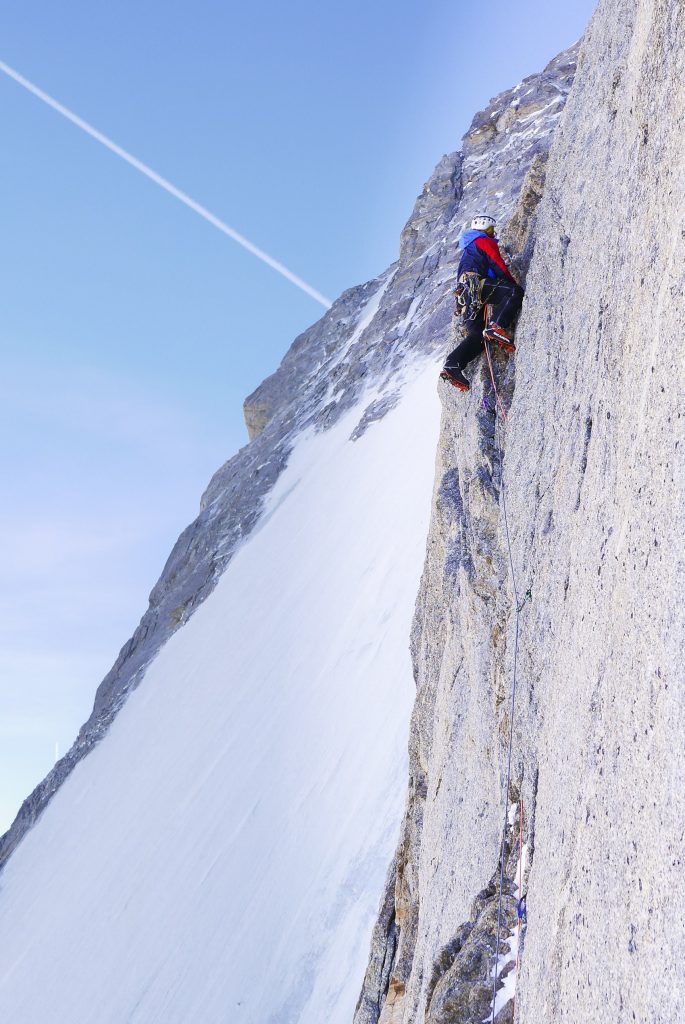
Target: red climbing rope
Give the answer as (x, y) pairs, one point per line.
(492, 378)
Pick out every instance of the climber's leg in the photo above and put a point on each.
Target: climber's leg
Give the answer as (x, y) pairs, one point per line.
(469, 348)
(506, 303)
(504, 300)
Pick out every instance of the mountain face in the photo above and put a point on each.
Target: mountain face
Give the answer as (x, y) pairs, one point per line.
(367, 338)
(220, 852)
(556, 543)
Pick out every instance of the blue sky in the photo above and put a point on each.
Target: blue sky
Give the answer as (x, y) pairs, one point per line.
(131, 329)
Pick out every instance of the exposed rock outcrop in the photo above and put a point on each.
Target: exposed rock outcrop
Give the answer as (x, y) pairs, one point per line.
(586, 480)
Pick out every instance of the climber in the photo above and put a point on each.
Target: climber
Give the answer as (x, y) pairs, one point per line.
(488, 299)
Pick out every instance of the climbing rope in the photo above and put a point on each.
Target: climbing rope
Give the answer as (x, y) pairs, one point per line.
(521, 901)
(494, 386)
(518, 606)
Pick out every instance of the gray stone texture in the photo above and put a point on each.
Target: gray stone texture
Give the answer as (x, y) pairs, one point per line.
(587, 476)
(599, 514)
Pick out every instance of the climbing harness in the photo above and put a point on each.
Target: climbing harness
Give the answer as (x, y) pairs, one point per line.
(518, 605)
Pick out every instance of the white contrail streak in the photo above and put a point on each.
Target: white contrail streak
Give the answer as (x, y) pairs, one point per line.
(166, 185)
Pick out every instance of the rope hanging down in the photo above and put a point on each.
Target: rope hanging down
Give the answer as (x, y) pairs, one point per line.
(519, 607)
(520, 906)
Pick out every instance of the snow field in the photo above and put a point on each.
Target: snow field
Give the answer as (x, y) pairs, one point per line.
(219, 857)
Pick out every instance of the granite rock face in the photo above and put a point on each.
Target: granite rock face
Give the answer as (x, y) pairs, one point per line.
(371, 333)
(584, 483)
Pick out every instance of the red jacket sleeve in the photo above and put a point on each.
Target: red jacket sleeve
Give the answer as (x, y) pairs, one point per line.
(491, 249)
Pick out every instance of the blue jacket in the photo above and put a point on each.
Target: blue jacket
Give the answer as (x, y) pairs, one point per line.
(481, 255)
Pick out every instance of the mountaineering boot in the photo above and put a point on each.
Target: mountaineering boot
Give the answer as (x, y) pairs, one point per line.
(456, 378)
(493, 332)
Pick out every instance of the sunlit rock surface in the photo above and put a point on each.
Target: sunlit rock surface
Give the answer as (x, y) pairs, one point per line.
(586, 476)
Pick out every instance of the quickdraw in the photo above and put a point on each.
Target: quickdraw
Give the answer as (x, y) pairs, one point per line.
(468, 295)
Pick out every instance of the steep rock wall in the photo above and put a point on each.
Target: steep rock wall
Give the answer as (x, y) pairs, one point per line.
(605, 645)
(587, 474)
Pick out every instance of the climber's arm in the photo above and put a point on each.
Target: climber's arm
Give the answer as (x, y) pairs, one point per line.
(490, 248)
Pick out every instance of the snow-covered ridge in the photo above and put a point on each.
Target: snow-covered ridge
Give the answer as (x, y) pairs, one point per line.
(219, 856)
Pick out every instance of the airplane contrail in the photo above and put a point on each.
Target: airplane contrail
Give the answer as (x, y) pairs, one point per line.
(166, 185)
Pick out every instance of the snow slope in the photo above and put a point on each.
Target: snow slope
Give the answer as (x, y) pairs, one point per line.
(220, 855)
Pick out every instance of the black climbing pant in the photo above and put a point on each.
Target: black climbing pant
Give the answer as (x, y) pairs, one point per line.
(505, 298)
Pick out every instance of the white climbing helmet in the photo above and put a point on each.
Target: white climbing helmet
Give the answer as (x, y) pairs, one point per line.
(482, 222)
